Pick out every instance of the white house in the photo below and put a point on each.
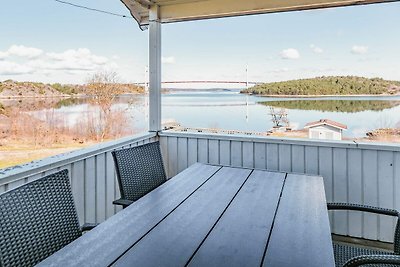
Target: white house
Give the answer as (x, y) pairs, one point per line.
(325, 129)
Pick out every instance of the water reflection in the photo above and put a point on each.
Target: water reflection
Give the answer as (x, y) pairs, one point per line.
(348, 106)
(229, 110)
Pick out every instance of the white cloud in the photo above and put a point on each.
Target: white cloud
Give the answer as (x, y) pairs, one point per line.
(168, 60)
(359, 49)
(290, 53)
(81, 55)
(75, 61)
(12, 68)
(23, 51)
(74, 72)
(81, 59)
(3, 55)
(316, 49)
(58, 65)
(62, 65)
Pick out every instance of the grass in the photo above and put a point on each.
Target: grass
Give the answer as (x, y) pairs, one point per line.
(20, 153)
(13, 162)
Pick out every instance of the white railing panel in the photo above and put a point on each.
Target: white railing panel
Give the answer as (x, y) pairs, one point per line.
(78, 187)
(202, 150)
(385, 181)
(272, 157)
(370, 184)
(224, 152)
(355, 190)
(92, 175)
(213, 151)
(182, 151)
(248, 154)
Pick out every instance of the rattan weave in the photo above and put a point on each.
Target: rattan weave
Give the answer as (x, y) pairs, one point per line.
(36, 220)
(139, 170)
(374, 260)
(351, 254)
(344, 253)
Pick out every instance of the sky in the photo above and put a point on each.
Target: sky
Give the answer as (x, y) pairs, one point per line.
(46, 41)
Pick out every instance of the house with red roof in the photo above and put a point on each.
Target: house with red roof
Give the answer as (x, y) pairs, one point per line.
(325, 129)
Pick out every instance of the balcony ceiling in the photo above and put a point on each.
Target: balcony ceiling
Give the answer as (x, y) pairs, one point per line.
(186, 10)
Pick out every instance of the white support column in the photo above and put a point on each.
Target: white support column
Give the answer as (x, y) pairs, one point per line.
(154, 70)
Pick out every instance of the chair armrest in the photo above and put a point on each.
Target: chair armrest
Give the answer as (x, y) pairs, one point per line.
(360, 207)
(88, 226)
(373, 259)
(123, 202)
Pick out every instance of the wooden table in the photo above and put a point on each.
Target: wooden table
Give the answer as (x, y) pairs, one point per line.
(214, 216)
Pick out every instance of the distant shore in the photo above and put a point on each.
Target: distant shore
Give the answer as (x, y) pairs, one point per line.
(188, 91)
(36, 97)
(56, 96)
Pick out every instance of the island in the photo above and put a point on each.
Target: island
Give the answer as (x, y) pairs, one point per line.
(327, 86)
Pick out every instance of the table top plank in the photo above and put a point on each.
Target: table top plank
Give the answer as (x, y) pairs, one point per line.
(176, 238)
(105, 243)
(240, 236)
(301, 233)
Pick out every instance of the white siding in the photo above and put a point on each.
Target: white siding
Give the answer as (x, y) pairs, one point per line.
(325, 132)
(92, 175)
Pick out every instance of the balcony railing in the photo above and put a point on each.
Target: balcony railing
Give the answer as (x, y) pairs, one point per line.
(92, 175)
(353, 172)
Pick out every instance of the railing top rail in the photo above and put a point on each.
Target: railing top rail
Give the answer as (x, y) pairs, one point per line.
(284, 140)
(10, 174)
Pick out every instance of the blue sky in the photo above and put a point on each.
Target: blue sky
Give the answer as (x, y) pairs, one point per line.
(51, 42)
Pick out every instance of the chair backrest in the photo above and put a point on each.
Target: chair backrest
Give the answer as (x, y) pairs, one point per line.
(396, 240)
(36, 220)
(139, 170)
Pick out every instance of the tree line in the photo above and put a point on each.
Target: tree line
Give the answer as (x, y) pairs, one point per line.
(328, 85)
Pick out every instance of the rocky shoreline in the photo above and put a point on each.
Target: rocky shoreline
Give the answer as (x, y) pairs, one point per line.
(10, 89)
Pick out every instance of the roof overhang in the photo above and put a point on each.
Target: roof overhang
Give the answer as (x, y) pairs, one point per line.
(186, 10)
(333, 124)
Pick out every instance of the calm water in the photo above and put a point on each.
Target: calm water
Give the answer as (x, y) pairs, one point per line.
(231, 110)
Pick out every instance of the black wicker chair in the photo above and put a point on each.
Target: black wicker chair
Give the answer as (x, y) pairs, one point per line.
(37, 219)
(351, 256)
(139, 170)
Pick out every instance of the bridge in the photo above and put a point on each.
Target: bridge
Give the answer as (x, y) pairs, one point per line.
(206, 82)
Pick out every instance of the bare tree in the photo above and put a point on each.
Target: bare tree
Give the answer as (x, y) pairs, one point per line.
(103, 88)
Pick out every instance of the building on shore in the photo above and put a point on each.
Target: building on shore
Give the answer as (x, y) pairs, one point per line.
(325, 129)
